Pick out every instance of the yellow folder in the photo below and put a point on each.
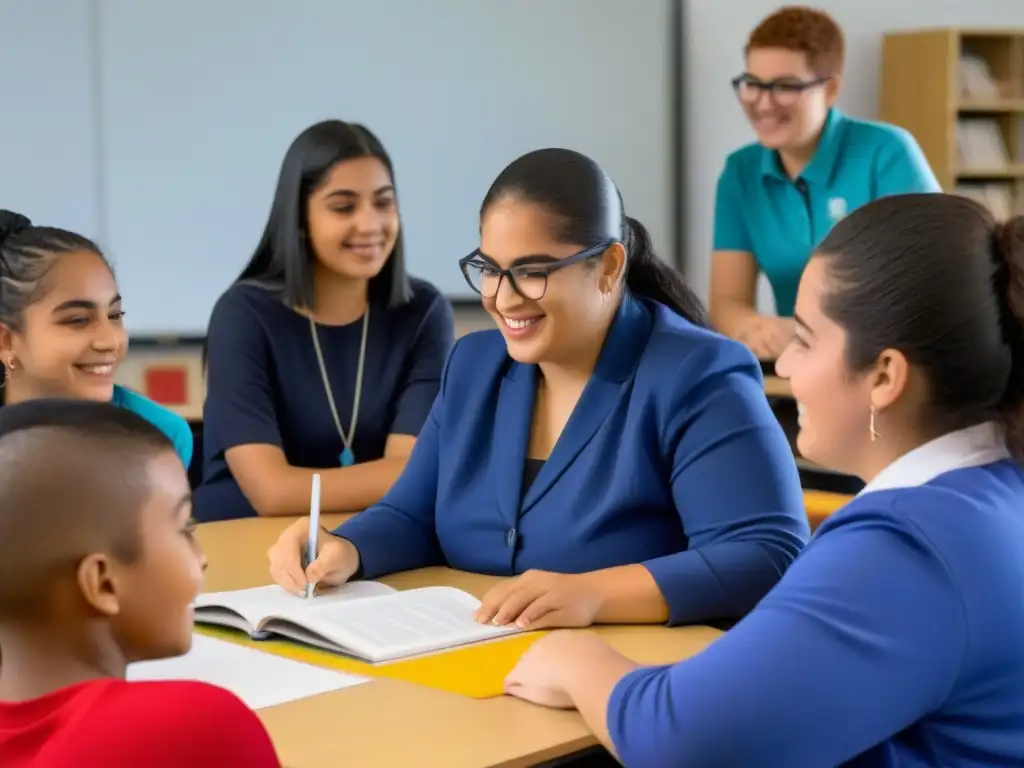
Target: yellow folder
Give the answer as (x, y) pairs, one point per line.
(477, 670)
(821, 504)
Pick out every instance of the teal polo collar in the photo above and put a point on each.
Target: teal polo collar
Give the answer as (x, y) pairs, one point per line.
(822, 165)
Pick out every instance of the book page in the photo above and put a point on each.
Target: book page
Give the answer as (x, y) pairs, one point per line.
(403, 624)
(259, 679)
(256, 603)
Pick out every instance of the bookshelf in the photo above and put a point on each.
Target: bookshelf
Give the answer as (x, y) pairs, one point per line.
(960, 92)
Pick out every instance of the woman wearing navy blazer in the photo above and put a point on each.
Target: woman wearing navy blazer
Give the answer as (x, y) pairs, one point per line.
(903, 620)
(593, 444)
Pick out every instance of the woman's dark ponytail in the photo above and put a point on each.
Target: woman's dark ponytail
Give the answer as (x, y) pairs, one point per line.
(1009, 248)
(649, 277)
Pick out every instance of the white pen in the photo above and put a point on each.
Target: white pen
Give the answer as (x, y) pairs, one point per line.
(314, 528)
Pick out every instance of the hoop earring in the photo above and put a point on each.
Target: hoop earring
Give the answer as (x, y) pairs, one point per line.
(871, 426)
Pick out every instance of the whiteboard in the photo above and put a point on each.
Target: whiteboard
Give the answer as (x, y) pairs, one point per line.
(200, 99)
(48, 132)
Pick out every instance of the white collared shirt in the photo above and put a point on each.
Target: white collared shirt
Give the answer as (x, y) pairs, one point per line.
(972, 447)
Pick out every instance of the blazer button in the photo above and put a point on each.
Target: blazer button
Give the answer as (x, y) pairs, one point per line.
(511, 537)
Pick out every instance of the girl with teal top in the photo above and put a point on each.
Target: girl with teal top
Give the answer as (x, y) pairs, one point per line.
(62, 332)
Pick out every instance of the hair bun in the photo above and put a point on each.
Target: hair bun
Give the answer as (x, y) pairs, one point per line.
(1009, 242)
(12, 223)
(1009, 250)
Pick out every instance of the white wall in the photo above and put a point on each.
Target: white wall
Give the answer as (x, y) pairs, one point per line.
(184, 109)
(715, 32)
(48, 138)
(115, 173)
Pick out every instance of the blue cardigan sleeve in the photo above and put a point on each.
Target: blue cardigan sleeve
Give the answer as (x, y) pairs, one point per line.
(735, 486)
(398, 533)
(867, 627)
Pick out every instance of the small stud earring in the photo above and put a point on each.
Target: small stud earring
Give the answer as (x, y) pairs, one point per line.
(871, 426)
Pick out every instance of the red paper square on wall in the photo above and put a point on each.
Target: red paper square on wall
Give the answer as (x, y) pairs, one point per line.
(166, 385)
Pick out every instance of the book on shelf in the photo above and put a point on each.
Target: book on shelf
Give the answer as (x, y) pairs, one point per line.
(998, 198)
(366, 620)
(980, 144)
(976, 80)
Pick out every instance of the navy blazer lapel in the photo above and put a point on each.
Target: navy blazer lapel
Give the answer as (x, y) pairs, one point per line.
(616, 365)
(512, 437)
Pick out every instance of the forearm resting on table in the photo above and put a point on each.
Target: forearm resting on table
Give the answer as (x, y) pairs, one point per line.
(276, 488)
(591, 686)
(629, 595)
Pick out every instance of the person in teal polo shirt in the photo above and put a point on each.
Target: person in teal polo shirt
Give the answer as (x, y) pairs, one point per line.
(61, 325)
(812, 165)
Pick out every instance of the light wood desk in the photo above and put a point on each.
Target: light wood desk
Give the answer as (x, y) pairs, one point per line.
(390, 723)
(775, 386)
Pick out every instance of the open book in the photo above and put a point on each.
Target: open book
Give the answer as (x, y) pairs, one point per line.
(367, 620)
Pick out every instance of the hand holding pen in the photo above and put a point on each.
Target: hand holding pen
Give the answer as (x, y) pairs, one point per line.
(313, 536)
(306, 556)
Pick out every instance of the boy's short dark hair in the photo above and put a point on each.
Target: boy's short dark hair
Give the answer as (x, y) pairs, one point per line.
(73, 478)
(85, 418)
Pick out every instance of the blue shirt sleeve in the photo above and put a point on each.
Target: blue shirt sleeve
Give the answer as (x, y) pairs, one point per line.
(867, 627)
(180, 433)
(736, 487)
(167, 421)
(730, 226)
(399, 533)
(239, 408)
(902, 167)
(422, 377)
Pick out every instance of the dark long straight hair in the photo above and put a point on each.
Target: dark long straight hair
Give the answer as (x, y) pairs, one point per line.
(282, 259)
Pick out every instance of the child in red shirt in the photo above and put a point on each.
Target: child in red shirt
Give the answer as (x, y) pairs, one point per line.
(98, 569)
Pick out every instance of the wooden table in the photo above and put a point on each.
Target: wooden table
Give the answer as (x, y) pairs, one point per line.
(390, 723)
(775, 386)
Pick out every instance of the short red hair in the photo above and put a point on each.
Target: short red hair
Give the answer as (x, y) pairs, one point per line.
(805, 30)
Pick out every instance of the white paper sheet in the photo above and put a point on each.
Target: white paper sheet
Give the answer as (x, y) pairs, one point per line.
(259, 679)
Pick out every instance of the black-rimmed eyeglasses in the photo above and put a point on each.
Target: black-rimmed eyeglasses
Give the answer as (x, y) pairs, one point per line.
(782, 92)
(529, 280)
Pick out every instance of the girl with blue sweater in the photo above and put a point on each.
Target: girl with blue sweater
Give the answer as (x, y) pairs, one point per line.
(62, 328)
(903, 619)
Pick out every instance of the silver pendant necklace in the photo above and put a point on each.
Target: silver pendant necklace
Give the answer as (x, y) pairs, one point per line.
(347, 457)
